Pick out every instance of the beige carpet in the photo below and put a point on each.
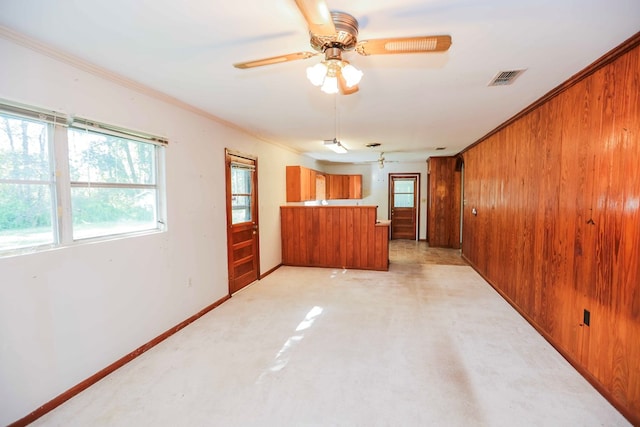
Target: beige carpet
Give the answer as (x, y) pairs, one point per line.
(424, 344)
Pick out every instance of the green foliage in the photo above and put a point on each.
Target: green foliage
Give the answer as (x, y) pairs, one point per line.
(24, 206)
(24, 156)
(94, 159)
(103, 158)
(112, 205)
(98, 158)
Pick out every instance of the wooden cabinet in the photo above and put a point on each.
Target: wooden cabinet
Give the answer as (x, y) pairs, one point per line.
(355, 186)
(344, 187)
(444, 192)
(338, 186)
(307, 184)
(301, 184)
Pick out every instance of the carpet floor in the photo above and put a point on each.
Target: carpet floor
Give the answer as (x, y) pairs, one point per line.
(428, 343)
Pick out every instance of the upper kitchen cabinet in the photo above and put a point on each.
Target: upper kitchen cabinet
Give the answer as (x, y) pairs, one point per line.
(304, 184)
(301, 184)
(355, 186)
(337, 187)
(344, 187)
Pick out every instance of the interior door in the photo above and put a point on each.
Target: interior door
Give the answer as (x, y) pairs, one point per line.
(242, 220)
(403, 205)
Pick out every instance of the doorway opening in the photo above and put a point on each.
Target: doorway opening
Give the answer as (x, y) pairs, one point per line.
(404, 193)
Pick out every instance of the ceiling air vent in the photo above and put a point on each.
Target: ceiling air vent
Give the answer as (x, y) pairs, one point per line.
(504, 78)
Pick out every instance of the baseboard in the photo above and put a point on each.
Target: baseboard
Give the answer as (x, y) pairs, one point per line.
(60, 399)
(634, 420)
(262, 276)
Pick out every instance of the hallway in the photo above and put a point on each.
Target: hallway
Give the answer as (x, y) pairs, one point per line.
(428, 343)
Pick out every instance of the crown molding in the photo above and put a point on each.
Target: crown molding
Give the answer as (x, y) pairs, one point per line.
(86, 66)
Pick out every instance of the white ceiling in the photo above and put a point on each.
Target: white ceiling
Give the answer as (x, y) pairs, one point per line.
(408, 103)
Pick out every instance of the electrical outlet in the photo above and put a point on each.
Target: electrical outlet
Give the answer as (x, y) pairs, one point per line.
(586, 317)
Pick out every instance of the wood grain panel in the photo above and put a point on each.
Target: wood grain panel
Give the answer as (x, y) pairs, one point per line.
(355, 187)
(557, 230)
(334, 236)
(443, 213)
(301, 184)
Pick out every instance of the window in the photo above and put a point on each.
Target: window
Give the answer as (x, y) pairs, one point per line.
(60, 184)
(403, 193)
(241, 180)
(26, 183)
(113, 184)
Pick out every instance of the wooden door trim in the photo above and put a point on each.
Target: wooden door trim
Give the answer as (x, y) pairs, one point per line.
(228, 158)
(416, 196)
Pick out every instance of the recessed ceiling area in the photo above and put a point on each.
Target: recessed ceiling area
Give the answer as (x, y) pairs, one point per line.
(411, 104)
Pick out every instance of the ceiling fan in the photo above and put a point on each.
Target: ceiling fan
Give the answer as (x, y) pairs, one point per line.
(381, 161)
(333, 33)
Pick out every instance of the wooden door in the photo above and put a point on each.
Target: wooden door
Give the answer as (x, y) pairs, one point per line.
(242, 220)
(403, 205)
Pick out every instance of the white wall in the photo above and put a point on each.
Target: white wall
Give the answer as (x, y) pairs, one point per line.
(375, 186)
(67, 313)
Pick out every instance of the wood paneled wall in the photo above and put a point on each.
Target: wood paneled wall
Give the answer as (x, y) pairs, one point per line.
(334, 236)
(557, 231)
(443, 216)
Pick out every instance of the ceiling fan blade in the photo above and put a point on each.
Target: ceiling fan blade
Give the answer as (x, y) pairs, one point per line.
(342, 84)
(423, 44)
(318, 17)
(274, 60)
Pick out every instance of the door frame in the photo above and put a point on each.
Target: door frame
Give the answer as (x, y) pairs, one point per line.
(416, 196)
(460, 166)
(255, 219)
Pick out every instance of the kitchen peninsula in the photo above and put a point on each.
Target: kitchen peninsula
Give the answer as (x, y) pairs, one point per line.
(334, 236)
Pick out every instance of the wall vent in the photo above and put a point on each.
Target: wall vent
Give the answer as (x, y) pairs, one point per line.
(504, 78)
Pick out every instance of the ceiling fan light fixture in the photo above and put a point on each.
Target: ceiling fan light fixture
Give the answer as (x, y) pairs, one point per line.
(326, 74)
(317, 73)
(330, 85)
(351, 74)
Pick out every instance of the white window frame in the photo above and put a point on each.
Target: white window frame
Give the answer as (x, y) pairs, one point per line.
(61, 185)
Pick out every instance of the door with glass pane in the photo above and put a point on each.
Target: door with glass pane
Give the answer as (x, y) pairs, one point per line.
(242, 220)
(403, 205)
